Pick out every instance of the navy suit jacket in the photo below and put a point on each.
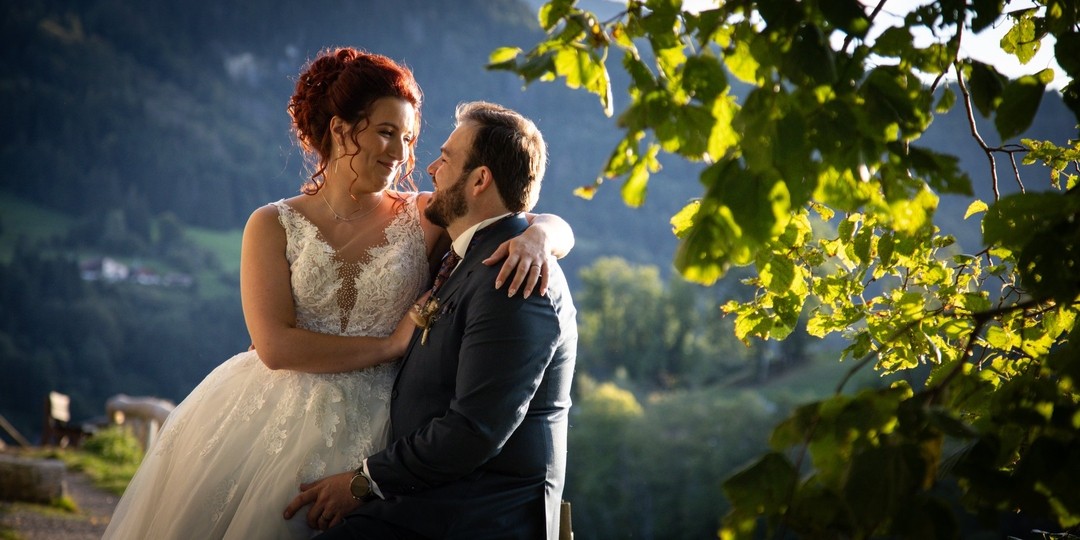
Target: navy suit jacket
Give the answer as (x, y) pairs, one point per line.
(479, 412)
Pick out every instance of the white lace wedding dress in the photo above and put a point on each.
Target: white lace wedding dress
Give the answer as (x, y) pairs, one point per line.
(232, 455)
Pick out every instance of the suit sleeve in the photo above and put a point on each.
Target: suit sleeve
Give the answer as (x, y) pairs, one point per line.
(505, 351)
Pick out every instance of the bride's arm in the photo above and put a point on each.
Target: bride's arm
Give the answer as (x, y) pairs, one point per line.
(266, 294)
(547, 235)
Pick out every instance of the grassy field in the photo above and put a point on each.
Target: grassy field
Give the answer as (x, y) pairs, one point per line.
(19, 218)
(28, 220)
(224, 244)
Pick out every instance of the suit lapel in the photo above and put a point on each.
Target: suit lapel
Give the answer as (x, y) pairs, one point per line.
(498, 233)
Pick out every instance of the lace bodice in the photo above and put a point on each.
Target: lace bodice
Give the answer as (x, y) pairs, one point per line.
(365, 298)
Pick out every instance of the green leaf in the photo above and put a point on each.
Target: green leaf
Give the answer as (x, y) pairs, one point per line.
(1050, 262)
(703, 78)
(911, 215)
(986, 86)
(975, 207)
(1015, 219)
(987, 12)
(1067, 53)
(684, 219)
(941, 171)
(503, 55)
(946, 101)
(741, 63)
(537, 66)
(723, 136)
(581, 69)
(702, 255)
(1019, 103)
(765, 486)
(892, 104)
(878, 482)
(847, 15)
(761, 207)
(1020, 40)
(894, 41)
(634, 189)
(553, 11)
(810, 58)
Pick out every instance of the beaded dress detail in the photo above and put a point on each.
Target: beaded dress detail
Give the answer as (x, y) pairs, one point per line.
(233, 454)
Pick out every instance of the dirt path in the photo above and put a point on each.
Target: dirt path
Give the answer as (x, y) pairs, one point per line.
(32, 522)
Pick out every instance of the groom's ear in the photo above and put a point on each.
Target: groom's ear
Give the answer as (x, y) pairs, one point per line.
(480, 180)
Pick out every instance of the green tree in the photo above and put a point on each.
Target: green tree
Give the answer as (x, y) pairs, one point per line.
(600, 476)
(800, 114)
(621, 317)
(662, 335)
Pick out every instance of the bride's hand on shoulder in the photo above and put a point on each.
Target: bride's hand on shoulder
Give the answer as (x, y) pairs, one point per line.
(524, 257)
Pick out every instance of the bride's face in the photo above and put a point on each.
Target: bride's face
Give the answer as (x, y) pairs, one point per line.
(376, 151)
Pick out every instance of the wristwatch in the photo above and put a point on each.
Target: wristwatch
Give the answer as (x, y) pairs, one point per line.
(360, 486)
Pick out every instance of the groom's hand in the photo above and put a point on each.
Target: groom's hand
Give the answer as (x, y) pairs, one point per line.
(330, 500)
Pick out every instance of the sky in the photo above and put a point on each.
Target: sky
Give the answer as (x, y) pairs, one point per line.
(984, 46)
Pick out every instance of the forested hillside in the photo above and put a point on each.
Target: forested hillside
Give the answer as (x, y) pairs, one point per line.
(128, 126)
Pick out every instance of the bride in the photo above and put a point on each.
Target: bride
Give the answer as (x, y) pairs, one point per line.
(325, 278)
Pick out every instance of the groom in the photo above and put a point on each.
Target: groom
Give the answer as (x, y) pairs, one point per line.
(479, 408)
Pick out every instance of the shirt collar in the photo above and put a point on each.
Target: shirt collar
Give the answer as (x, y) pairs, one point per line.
(461, 243)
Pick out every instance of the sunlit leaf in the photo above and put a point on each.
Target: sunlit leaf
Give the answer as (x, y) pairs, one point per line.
(975, 207)
(741, 63)
(634, 189)
(553, 11)
(684, 218)
(586, 192)
(723, 136)
(1020, 40)
(503, 55)
(911, 215)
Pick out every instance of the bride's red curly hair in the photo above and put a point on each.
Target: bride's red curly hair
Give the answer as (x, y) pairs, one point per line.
(344, 82)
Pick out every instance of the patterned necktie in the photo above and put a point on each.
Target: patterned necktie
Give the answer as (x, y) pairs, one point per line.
(424, 316)
(449, 261)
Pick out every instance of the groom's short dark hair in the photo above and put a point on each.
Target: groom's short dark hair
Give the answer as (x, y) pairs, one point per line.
(510, 146)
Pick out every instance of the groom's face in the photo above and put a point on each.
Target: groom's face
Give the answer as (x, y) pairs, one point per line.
(450, 178)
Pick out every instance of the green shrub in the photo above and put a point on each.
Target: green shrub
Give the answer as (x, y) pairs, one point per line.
(114, 444)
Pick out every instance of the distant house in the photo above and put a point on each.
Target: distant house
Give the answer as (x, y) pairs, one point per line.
(104, 268)
(112, 271)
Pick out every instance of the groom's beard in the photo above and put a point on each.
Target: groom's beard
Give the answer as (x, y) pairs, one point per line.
(448, 204)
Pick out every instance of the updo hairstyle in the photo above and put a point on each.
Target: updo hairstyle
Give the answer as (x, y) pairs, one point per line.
(344, 82)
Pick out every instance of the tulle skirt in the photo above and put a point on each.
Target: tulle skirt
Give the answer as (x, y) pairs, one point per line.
(233, 454)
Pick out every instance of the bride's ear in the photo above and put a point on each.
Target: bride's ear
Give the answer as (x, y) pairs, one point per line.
(339, 129)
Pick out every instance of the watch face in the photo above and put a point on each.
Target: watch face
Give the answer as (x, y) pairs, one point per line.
(360, 486)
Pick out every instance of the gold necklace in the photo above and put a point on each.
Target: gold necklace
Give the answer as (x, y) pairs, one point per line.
(351, 217)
